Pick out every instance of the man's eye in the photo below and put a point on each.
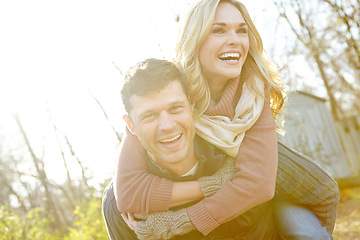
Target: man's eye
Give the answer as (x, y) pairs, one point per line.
(148, 117)
(176, 108)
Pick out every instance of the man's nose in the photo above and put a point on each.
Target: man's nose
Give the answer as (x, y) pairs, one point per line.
(166, 121)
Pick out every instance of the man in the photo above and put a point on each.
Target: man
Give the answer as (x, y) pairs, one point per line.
(160, 115)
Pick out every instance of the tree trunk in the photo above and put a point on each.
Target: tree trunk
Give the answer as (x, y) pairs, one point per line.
(42, 176)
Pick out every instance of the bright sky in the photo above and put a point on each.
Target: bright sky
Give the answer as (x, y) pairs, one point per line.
(55, 54)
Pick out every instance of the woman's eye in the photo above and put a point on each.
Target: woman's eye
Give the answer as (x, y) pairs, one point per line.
(242, 30)
(218, 30)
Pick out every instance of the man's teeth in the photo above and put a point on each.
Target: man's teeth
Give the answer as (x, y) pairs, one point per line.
(229, 56)
(171, 139)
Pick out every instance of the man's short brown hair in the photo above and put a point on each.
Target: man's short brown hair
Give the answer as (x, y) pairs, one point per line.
(149, 76)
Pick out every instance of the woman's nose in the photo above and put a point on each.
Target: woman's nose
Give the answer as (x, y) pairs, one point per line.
(233, 38)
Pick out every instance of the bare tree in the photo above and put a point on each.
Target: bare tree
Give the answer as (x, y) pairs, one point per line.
(41, 175)
(329, 33)
(69, 180)
(85, 179)
(118, 135)
(7, 186)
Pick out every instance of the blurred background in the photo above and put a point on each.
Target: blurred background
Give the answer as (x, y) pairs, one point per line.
(61, 69)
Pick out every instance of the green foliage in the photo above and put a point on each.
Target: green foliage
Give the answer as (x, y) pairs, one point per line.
(35, 224)
(89, 224)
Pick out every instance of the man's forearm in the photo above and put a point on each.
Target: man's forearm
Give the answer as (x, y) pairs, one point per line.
(185, 192)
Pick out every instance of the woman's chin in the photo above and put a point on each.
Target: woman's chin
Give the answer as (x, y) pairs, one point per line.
(232, 75)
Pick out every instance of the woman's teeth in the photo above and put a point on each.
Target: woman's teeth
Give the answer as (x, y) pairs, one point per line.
(229, 56)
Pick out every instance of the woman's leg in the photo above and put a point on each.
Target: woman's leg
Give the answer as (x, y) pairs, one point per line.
(304, 182)
(295, 222)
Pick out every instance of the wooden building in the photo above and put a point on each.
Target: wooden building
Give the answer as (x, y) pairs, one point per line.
(349, 133)
(310, 129)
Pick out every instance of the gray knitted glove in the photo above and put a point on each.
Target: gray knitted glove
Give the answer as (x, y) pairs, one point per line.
(211, 184)
(164, 225)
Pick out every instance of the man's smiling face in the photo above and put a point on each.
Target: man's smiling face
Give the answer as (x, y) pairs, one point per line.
(163, 122)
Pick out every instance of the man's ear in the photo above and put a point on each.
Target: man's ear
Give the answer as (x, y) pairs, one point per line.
(129, 124)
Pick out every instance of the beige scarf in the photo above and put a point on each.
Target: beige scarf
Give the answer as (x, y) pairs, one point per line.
(225, 132)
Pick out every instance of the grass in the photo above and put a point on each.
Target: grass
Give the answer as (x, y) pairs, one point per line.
(348, 215)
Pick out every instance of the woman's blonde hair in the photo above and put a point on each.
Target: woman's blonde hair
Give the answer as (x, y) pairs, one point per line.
(195, 27)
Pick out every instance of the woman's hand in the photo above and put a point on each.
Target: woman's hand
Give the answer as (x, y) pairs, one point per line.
(164, 225)
(211, 184)
(130, 220)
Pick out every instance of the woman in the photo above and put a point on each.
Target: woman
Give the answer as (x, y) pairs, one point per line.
(231, 82)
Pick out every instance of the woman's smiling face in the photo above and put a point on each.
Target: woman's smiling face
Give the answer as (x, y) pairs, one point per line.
(225, 49)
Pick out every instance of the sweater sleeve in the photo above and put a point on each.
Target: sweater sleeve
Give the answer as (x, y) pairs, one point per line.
(135, 189)
(252, 185)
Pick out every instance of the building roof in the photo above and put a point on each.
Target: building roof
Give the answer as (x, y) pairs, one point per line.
(306, 94)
